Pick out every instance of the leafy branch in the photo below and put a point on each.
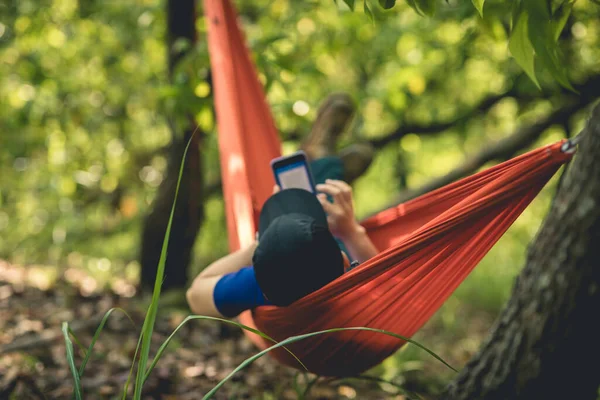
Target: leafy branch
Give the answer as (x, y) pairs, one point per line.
(533, 39)
(509, 146)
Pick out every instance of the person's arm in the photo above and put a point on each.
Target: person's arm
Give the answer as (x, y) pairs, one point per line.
(237, 288)
(341, 219)
(230, 263)
(359, 244)
(200, 295)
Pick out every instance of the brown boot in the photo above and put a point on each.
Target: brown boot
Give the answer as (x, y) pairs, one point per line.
(357, 158)
(333, 117)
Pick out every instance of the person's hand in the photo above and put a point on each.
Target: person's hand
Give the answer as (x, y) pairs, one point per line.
(276, 189)
(340, 213)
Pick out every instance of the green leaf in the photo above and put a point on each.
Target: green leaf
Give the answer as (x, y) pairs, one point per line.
(293, 339)
(97, 334)
(520, 46)
(560, 17)
(368, 11)
(350, 3)
(126, 387)
(71, 360)
(413, 5)
(554, 5)
(427, 7)
(77, 342)
(479, 6)
(541, 35)
(269, 40)
(387, 4)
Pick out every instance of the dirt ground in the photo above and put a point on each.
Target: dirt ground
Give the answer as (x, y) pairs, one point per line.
(33, 364)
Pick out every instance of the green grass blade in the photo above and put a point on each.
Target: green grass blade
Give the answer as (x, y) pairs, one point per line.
(163, 347)
(97, 334)
(71, 360)
(77, 342)
(308, 335)
(148, 327)
(309, 386)
(137, 349)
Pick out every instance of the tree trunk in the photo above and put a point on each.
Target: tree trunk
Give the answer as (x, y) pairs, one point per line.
(181, 17)
(545, 343)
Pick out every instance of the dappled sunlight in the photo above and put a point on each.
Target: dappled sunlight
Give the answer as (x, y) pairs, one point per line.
(123, 288)
(347, 391)
(90, 108)
(194, 371)
(46, 277)
(38, 276)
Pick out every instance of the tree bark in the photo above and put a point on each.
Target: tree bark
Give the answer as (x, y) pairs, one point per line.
(545, 343)
(189, 211)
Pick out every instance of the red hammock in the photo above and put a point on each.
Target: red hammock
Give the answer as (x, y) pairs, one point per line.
(430, 244)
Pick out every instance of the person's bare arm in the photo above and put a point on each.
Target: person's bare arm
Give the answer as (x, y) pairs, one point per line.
(341, 219)
(230, 263)
(200, 294)
(359, 244)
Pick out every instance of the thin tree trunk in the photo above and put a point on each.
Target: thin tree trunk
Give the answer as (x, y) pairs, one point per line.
(181, 17)
(545, 344)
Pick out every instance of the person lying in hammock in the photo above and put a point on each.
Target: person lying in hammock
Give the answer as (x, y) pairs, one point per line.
(296, 253)
(300, 248)
(304, 241)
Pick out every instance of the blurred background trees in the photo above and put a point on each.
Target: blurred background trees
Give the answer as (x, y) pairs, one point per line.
(98, 98)
(189, 211)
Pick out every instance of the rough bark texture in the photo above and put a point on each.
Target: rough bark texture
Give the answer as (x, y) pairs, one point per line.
(545, 344)
(181, 16)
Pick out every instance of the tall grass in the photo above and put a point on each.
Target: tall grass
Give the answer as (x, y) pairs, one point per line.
(143, 347)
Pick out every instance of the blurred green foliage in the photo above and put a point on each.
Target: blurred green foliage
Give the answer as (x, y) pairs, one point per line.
(535, 26)
(84, 96)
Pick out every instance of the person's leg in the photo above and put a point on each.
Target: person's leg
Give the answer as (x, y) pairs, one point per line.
(333, 119)
(330, 167)
(347, 165)
(356, 160)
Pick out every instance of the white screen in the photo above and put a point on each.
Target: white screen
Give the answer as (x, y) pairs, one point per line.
(294, 176)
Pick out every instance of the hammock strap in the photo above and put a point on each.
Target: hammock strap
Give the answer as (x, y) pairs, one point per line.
(570, 145)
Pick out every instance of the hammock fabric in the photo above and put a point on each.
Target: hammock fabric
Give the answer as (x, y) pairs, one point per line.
(428, 245)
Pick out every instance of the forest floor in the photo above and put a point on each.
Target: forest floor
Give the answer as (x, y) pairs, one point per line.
(33, 364)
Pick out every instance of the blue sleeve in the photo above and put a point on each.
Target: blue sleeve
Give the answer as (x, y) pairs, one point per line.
(237, 292)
